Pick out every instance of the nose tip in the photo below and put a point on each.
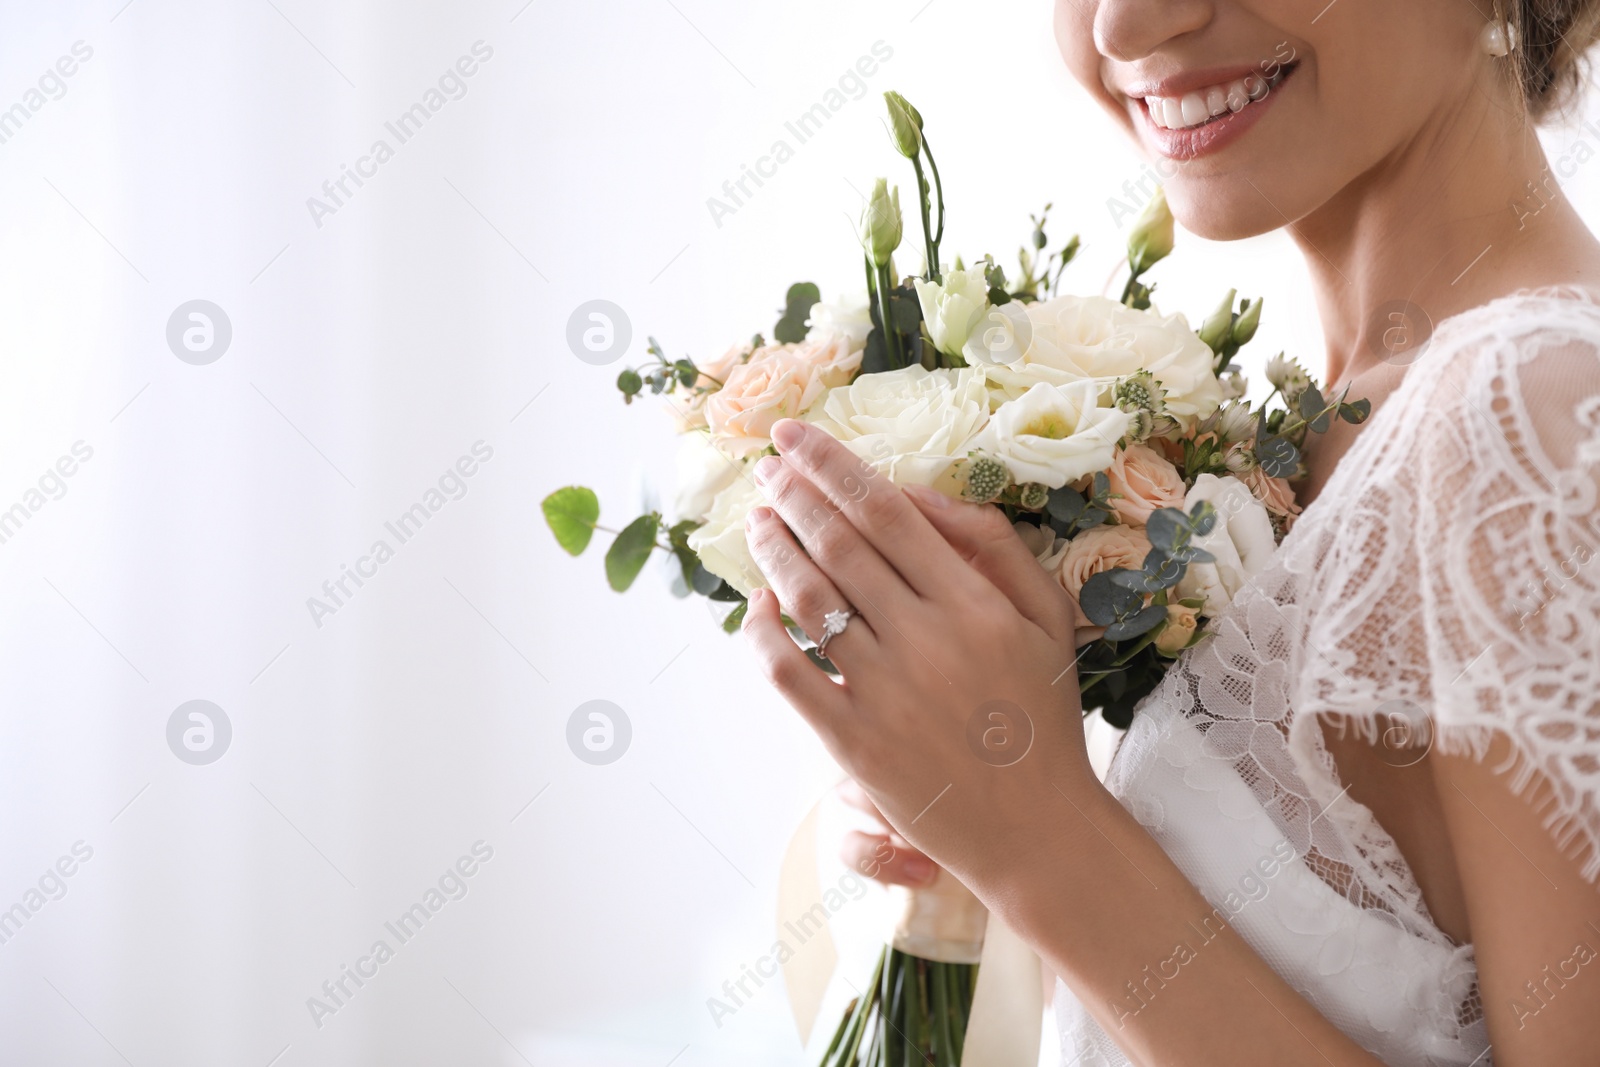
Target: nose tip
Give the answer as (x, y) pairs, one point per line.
(1129, 30)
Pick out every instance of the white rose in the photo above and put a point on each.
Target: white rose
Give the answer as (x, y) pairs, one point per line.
(850, 317)
(703, 472)
(1054, 434)
(1076, 338)
(1001, 335)
(952, 308)
(911, 424)
(1242, 540)
(720, 542)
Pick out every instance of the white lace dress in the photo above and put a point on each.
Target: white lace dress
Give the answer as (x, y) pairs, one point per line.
(1444, 585)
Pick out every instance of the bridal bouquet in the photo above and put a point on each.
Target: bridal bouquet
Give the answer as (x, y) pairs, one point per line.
(1115, 437)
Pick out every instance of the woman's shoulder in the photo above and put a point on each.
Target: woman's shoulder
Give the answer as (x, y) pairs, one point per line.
(1517, 379)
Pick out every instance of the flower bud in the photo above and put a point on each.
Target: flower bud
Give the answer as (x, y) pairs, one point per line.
(1237, 423)
(1034, 496)
(1216, 330)
(904, 124)
(881, 225)
(985, 478)
(1180, 628)
(1239, 459)
(1151, 239)
(1249, 319)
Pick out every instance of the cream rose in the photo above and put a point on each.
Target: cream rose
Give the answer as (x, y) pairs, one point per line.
(1075, 338)
(1143, 481)
(1099, 548)
(1053, 434)
(911, 424)
(720, 542)
(850, 317)
(1242, 540)
(703, 472)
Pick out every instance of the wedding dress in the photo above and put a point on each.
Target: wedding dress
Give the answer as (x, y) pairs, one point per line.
(1441, 588)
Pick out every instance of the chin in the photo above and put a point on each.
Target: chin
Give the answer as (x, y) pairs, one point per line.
(1226, 208)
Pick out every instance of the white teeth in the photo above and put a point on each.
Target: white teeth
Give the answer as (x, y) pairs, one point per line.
(1198, 108)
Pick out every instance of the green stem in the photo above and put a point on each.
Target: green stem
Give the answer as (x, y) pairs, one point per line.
(891, 336)
(929, 248)
(939, 191)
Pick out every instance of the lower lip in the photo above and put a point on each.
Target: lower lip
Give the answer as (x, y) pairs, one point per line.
(1215, 135)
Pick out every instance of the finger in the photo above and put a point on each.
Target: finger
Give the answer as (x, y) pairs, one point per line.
(982, 536)
(835, 546)
(802, 683)
(880, 859)
(876, 507)
(805, 593)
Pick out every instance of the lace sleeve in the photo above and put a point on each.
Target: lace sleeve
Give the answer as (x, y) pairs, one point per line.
(1505, 461)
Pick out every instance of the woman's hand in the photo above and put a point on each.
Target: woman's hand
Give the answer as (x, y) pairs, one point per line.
(880, 853)
(959, 711)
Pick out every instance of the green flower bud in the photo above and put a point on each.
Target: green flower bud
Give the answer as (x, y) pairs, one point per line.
(1216, 329)
(881, 225)
(1249, 319)
(985, 478)
(904, 124)
(1151, 239)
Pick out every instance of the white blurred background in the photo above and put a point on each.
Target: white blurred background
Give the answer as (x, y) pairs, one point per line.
(374, 345)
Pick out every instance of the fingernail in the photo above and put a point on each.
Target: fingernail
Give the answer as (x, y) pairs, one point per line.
(929, 496)
(787, 433)
(918, 869)
(766, 467)
(756, 517)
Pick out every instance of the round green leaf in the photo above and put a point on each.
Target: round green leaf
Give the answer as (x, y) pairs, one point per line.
(572, 513)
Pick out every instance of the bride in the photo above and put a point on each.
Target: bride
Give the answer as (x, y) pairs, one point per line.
(1360, 823)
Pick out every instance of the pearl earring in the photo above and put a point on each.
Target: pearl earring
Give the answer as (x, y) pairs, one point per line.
(1499, 39)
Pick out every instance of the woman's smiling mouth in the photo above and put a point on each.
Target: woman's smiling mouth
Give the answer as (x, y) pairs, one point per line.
(1184, 122)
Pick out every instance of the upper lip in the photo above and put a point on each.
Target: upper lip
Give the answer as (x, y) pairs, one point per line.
(1189, 81)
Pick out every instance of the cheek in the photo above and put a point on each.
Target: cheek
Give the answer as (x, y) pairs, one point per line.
(1074, 32)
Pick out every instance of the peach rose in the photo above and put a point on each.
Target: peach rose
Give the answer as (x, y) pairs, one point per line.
(1274, 493)
(776, 382)
(1097, 549)
(1181, 624)
(1145, 481)
(690, 410)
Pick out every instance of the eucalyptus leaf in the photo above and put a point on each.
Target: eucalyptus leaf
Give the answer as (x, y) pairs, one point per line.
(801, 298)
(1141, 623)
(703, 581)
(627, 555)
(1104, 601)
(571, 514)
(1279, 458)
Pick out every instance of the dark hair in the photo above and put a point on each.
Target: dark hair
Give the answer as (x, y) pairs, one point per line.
(1552, 37)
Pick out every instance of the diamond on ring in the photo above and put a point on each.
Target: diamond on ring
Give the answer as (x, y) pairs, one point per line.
(833, 624)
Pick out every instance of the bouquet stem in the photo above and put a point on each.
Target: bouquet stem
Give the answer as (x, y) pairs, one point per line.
(916, 1007)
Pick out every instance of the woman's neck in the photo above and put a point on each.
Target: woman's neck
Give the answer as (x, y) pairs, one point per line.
(1467, 211)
